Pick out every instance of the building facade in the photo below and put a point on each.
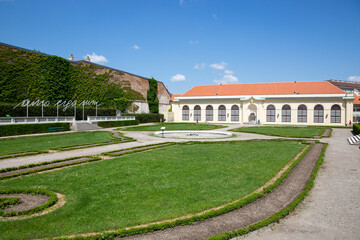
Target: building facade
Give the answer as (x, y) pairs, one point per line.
(305, 103)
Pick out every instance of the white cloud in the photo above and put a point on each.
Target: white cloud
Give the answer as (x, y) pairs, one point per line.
(219, 66)
(228, 72)
(97, 58)
(136, 47)
(354, 78)
(181, 2)
(194, 42)
(178, 78)
(214, 16)
(227, 78)
(200, 66)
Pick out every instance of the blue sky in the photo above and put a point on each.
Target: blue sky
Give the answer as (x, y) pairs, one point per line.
(185, 43)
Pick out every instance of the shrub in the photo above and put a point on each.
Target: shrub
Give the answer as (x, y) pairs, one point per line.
(109, 124)
(148, 117)
(20, 129)
(356, 128)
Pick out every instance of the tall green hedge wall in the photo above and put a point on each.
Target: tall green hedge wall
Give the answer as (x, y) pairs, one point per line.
(33, 76)
(20, 129)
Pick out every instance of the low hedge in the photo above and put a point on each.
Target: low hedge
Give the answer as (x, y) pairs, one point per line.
(356, 128)
(8, 202)
(110, 124)
(53, 199)
(148, 117)
(20, 129)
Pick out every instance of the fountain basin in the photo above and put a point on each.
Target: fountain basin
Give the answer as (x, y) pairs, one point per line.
(193, 134)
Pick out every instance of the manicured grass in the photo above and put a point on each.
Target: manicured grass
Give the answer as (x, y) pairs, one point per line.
(175, 126)
(23, 144)
(284, 131)
(150, 186)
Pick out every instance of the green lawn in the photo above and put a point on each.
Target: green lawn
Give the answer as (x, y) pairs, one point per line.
(23, 144)
(150, 186)
(284, 131)
(174, 126)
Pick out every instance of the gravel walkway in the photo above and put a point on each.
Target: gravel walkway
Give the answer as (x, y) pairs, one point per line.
(332, 210)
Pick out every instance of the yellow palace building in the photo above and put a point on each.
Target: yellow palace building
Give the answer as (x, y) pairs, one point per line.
(306, 103)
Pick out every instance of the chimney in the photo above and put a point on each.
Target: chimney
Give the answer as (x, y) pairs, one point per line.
(71, 57)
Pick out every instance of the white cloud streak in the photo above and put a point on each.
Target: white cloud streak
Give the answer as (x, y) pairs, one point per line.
(200, 66)
(227, 79)
(178, 78)
(181, 2)
(228, 72)
(194, 42)
(136, 47)
(97, 58)
(219, 66)
(354, 78)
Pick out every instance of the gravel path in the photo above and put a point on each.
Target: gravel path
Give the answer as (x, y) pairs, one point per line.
(332, 210)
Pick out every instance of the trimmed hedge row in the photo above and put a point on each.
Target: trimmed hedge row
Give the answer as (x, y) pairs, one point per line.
(53, 199)
(231, 207)
(110, 124)
(148, 117)
(8, 202)
(20, 129)
(356, 128)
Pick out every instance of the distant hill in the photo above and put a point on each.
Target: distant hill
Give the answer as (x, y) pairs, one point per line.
(26, 74)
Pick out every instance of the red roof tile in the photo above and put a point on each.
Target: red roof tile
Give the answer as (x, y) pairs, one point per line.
(321, 87)
(175, 95)
(357, 99)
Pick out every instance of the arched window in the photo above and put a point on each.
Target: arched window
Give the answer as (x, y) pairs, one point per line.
(286, 113)
(335, 114)
(222, 113)
(209, 113)
(270, 113)
(197, 113)
(235, 113)
(185, 113)
(318, 114)
(302, 113)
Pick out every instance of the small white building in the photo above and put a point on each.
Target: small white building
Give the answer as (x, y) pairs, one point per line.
(306, 103)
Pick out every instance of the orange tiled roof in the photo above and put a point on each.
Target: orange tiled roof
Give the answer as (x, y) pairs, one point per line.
(175, 95)
(357, 99)
(321, 87)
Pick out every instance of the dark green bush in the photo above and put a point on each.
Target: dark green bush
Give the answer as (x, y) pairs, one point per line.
(148, 117)
(356, 128)
(109, 124)
(20, 129)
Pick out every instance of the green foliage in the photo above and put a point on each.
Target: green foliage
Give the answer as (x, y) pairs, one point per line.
(8, 202)
(110, 124)
(34, 76)
(20, 129)
(356, 128)
(148, 117)
(122, 103)
(152, 99)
